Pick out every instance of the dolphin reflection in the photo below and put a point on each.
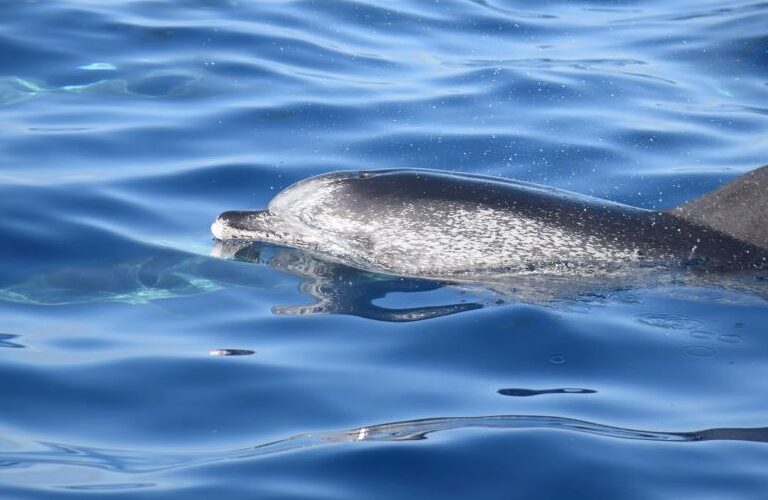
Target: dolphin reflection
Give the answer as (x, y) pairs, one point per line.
(340, 289)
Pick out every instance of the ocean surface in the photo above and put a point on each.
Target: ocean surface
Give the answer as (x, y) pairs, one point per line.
(135, 362)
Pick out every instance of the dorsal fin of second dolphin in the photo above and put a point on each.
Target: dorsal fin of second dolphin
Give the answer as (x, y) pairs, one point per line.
(738, 209)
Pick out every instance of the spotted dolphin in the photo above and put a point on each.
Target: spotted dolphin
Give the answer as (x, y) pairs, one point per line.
(444, 225)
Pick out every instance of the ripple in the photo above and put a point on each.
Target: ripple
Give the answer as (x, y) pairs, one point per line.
(701, 335)
(109, 486)
(712, 12)
(699, 351)
(729, 339)
(6, 341)
(139, 462)
(129, 125)
(670, 321)
(545, 62)
(534, 392)
(231, 352)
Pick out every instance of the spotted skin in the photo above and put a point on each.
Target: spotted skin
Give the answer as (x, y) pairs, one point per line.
(455, 226)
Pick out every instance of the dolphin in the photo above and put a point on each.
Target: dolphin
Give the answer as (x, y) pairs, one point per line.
(461, 227)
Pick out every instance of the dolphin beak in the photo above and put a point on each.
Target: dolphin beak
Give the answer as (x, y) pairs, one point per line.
(240, 224)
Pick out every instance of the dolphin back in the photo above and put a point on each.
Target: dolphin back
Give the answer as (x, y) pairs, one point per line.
(738, 209)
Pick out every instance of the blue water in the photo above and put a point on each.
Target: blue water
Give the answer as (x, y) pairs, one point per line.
(128, 125)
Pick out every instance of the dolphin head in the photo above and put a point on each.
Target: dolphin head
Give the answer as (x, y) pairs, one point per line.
(407, 222)
(304, 215)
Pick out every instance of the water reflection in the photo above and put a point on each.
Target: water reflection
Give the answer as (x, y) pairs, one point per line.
(336, 288)
(6, 341)
(140, 462)
(153, 84)
(139, 281)
(231, 352)
(533, 392)
(340, 289)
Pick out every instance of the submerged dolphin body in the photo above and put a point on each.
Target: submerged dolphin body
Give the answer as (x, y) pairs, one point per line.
(462, 227)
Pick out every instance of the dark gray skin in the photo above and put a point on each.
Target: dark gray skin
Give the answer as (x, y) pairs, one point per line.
(738, 209)
(463, 227)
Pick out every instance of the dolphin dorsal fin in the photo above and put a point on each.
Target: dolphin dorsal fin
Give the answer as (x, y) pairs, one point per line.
(738, 209)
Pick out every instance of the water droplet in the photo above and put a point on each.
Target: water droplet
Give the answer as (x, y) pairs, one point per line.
(699, 351)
